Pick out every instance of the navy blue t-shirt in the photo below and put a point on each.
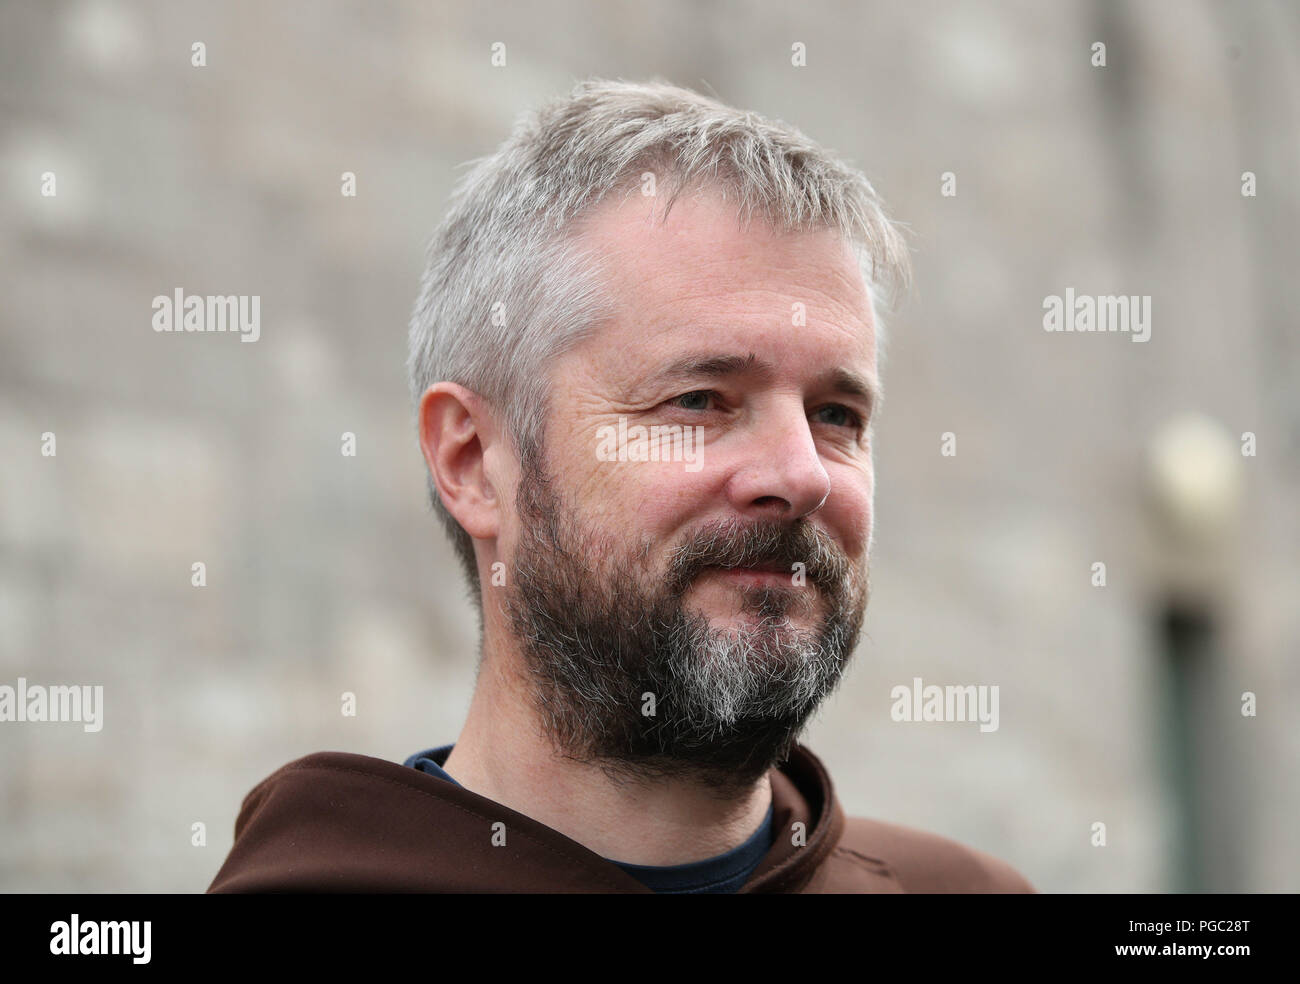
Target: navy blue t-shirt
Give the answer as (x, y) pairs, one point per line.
(723, 873)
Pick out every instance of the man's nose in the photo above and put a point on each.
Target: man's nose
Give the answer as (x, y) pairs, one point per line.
(780, 473)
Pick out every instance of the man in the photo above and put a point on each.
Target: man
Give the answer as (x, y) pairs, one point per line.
(644, 361)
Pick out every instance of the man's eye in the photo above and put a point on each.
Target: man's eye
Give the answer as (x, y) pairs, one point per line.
(704, 395)
(842, 416)
(849, 416)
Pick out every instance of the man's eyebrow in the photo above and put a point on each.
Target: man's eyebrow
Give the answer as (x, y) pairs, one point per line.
(713, 366)
(848, 381)
(867, 387)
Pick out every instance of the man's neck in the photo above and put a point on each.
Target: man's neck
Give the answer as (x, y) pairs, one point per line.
(503, 755)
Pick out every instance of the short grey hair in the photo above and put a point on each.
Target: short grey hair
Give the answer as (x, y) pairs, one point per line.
(508, 284)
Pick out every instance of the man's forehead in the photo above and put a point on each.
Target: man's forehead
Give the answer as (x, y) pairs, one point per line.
(701, 278)
(704, 232)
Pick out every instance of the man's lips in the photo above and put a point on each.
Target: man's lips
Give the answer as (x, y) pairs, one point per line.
(755, 574)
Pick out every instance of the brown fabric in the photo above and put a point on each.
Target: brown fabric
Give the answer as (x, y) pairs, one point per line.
(338, 822)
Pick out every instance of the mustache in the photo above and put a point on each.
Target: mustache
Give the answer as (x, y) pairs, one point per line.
(736, 543)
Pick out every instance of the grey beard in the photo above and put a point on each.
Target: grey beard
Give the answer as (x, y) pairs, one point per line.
(604, 647)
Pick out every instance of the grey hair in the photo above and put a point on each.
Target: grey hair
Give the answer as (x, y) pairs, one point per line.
(508, 284)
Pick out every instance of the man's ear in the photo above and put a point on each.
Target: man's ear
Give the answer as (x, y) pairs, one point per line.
(455, 429)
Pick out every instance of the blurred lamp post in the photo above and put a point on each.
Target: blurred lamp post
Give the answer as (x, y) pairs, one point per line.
(1194, 487)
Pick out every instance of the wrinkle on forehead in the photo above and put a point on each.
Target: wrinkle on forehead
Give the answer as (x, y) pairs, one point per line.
(701, 257)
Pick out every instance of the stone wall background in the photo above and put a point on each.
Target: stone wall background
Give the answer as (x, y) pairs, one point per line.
(328, 573)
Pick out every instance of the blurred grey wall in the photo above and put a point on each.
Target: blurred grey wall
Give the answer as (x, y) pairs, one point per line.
(327, 573)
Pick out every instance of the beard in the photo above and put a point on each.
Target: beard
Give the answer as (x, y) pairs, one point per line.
(626, 677)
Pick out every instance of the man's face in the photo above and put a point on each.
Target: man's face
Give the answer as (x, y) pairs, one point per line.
(654, 646)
